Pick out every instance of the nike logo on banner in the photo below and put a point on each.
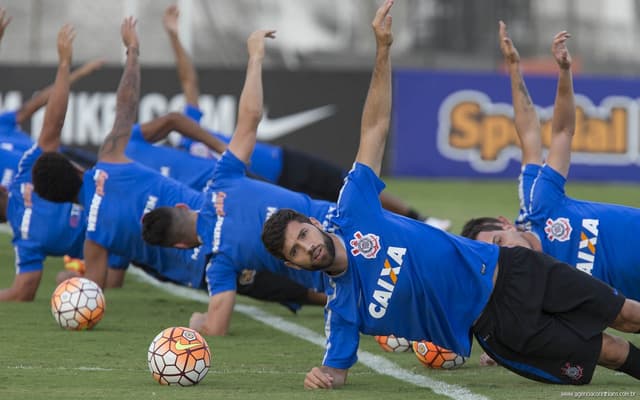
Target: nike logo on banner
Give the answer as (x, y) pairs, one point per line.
(270, 129)
(180, 346)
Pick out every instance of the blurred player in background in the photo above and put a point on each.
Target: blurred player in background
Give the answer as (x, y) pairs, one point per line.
(588, 235)
(535, 315)
(227, 227)
(286, 167)
(42, 228)
(117, 192)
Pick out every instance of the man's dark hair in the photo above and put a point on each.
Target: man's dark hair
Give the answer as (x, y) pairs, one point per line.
(159, 227)
(55, 178)
(4, 200)
(274, 228)
(483, 224)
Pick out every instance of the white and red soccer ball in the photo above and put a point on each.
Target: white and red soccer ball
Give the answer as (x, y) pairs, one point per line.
(77, 304)
(434, 356)
(179, 355)
(393, 344)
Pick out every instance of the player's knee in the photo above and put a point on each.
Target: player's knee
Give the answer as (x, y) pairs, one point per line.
(614, 351)
(628, 320)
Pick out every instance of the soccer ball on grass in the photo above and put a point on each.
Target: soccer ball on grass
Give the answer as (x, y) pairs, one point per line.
(393, 344)
(434, 356)
(77, 304)
(180, 356)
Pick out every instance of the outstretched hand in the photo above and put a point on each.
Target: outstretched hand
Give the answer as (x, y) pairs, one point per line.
(4, 21)
(255, 43)
(65, 42)
(382, 25)
(560, 51)
(170, 19)
(509, 51)
(128, 33)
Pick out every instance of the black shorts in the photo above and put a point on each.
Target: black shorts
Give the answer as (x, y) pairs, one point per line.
(267, 286)
(544, 319)
(304, 173)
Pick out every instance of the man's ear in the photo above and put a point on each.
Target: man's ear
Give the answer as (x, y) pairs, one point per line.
(316, 223)
(291, 265)
(507, 225)
(183, 206)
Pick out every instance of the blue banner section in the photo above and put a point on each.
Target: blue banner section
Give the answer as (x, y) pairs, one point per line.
(449, 124)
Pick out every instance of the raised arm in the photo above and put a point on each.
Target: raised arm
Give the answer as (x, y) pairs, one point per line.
(40, 98)
(525, 115)
(4, 22)
(564, 110)
(49, 139)
(186, 71)
(376, 114)
(127, 98)
(250, 106)
(159, 128)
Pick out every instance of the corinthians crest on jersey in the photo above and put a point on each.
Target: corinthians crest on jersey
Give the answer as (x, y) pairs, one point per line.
(365, 245)
(558, 229)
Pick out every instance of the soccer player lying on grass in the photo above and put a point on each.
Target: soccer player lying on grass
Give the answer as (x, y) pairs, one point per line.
(536, 316)
(227, 228)
(117, 192)
(589, 236)
(42, 228)
(283, 166)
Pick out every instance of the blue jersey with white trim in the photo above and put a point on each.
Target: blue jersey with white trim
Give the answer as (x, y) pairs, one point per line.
(116, 196)
(41, 228)
(230, 225)
(190, 170)
(596, 238)
(11, 136)
(403, 277)
(9, 160)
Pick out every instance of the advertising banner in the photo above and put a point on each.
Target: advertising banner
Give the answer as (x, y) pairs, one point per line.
(450, 124)
(313, 111)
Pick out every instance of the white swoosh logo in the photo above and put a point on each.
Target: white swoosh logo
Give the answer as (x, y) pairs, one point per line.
(270, 129)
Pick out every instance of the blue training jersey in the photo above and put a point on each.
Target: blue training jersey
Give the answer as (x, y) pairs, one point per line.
(9, 160)
(40, 227)
(403, 277)
(596, 238)
(116, 196)
(11, 136)
(230, 225)
(266, 159)
(190, 170)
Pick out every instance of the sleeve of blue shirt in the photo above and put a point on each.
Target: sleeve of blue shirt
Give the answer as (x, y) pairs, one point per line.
(220, 275)
(360, 193)
(528, 175)
(547, 191)
(136, 134)
(26, 163)
(229, 167)
(193, 112)
(343, 339)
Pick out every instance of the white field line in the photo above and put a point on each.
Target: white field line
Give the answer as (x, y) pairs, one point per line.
(4, 228)
(377, 363)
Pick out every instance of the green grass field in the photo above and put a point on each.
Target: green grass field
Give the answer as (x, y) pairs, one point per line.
(38, 360)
